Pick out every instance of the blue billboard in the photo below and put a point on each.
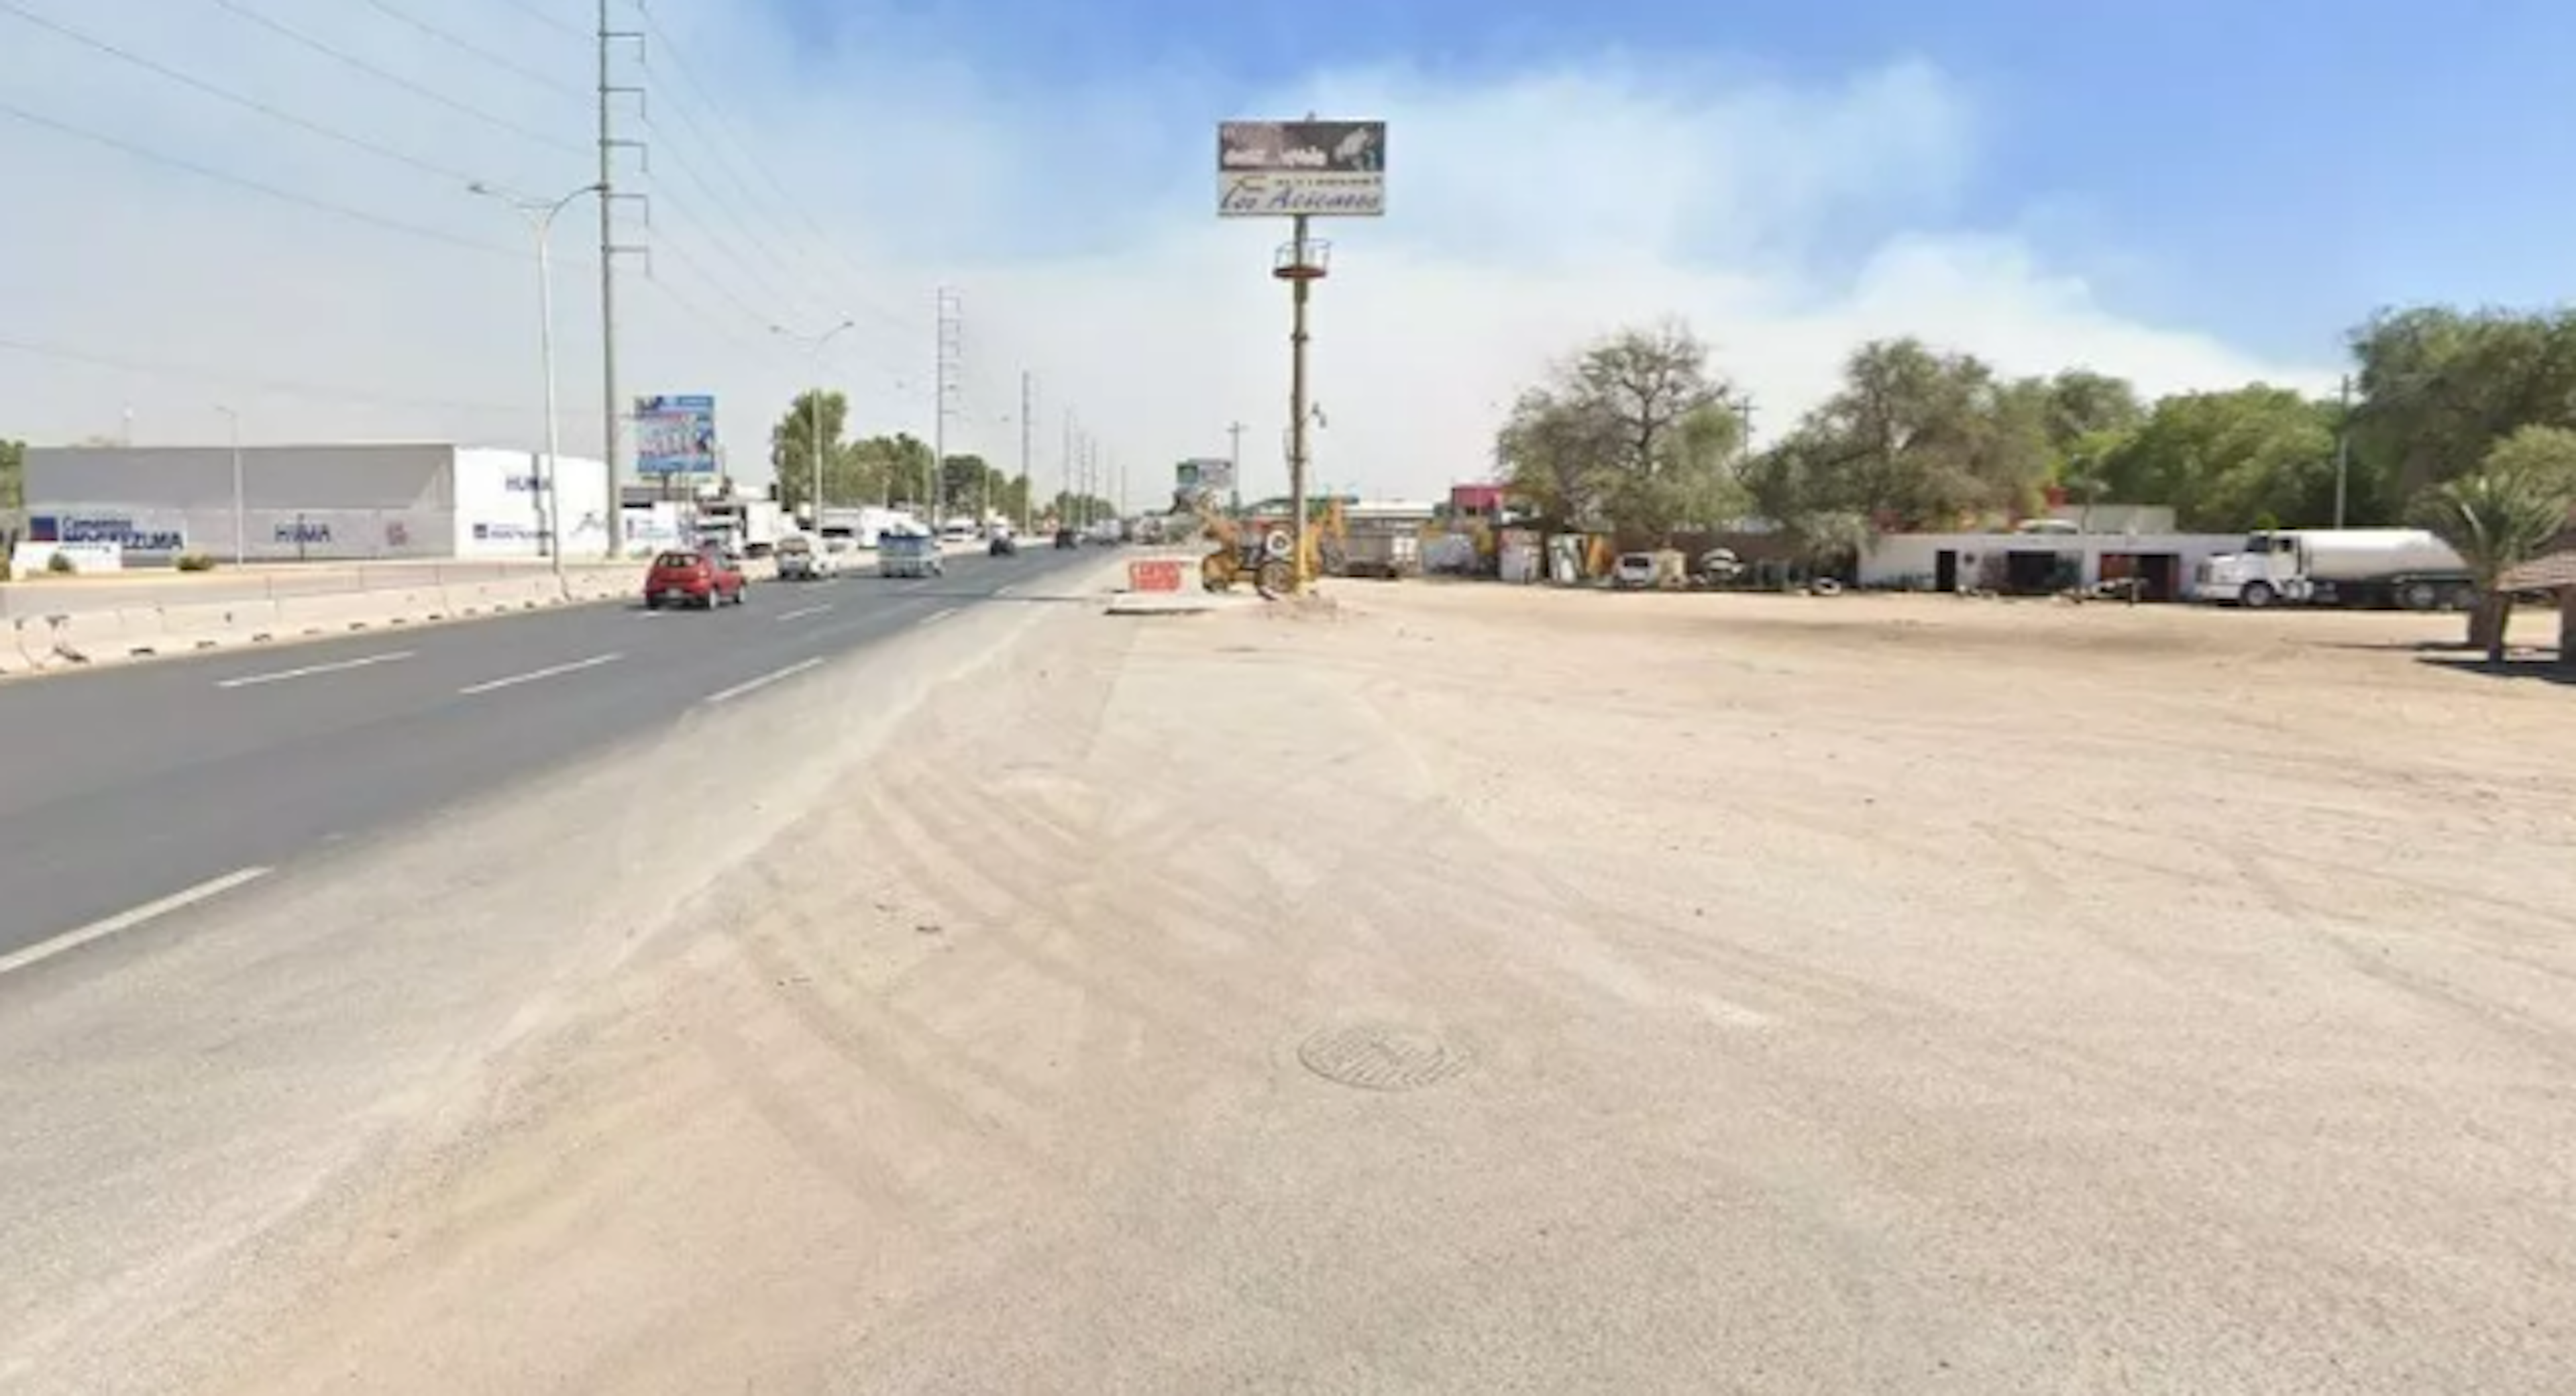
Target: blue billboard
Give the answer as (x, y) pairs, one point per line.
(675, 435)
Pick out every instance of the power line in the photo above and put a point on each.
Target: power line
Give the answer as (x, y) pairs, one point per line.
(750, 264)
(467, 46)
(279, 386)
(382, 74)
(272, 191)
(715, 112)
(237, 99)
(541, 17)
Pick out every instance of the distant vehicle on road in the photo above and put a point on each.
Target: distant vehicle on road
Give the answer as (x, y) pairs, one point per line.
(800, 561)
(909, 555)
(1067, 538)
(706, 577)
(1003, 545)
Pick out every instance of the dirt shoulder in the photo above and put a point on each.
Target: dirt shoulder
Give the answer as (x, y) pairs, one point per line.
(1470, 989)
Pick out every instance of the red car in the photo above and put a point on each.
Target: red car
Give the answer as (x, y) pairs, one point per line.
(704, 578)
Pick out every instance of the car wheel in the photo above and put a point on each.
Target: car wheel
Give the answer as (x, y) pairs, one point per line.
(2256, 596)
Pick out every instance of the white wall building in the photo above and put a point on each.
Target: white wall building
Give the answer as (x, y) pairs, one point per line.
(2036, 562)
(289, 503)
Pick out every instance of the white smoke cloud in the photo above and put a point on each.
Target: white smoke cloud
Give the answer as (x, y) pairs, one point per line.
(795, 182)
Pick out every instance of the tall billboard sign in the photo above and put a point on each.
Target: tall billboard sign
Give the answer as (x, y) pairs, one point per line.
(1287, 169)
(675, 435)
(1209, 475)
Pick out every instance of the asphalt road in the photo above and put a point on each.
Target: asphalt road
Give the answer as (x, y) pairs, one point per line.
(127, 786)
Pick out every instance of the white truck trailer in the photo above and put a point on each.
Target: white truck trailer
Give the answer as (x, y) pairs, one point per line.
(2403, 567)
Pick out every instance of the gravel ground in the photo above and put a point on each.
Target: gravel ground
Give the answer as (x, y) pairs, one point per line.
(1466, 989)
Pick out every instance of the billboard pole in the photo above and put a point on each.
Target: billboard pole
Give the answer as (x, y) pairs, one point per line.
(1303, 170)
(1301, 268)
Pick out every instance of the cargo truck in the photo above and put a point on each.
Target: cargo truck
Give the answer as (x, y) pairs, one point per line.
(2402, 567)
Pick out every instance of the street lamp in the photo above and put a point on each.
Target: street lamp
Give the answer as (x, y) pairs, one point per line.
(541, 221)
(241, 528)
(814, 406)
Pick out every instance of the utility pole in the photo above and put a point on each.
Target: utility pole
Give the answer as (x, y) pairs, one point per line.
(951, 348)
(609, 415)
(1301, 264)
(241, 515)
(1090, 467)
(2343, 448)
(1064, 468)
(1028, 425)
(1234, 467)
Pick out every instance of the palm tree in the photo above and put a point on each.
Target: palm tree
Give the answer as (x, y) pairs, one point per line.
(2496, 520)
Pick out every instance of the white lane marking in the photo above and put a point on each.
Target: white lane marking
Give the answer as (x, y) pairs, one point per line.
(127, 920)
(251, 680)
(935, 617)
(764, 681)
(802, 612)
(550, 671)
(1005, 591)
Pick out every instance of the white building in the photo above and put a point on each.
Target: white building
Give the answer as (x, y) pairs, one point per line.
(289, 503)
(2035, 562)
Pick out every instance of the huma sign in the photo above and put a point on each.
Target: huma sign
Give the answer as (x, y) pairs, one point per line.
(1323, 169)
(675, 435)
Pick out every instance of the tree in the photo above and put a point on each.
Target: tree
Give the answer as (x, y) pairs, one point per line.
(2224, 460)
(1554, 454)
(1635, 434)
(2545, 453)
(792, 446)
(2496, 520)
(964, 481)
(1920, 439)
(2079, 404)
(2439, 387)
(13, 476)
(893, 468)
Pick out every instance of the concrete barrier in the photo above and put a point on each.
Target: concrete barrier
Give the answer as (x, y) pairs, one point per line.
(214, 624)
(34, 644)
(17, 655)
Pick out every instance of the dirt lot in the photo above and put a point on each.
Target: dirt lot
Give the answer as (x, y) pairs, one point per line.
(1481, 990)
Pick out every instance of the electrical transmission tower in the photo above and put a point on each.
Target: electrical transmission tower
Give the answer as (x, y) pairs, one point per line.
(609, 250)
(952, 358)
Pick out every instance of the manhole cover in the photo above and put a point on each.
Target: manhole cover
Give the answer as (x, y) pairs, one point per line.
(1380, 1057)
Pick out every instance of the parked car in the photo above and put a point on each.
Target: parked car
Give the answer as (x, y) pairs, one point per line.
(1633, 570)
(708, 577)
(800, 561)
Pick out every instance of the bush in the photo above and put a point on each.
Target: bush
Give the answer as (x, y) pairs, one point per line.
(195, 562)
(61, 563)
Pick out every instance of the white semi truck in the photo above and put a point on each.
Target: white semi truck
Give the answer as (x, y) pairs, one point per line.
(2402, 567)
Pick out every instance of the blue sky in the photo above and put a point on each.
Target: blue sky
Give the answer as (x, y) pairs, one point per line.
(2267, 170)
(2188, 193)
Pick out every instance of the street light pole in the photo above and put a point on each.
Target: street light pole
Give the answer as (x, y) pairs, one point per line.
(241, 526)
(814, 407)
(541, 223)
